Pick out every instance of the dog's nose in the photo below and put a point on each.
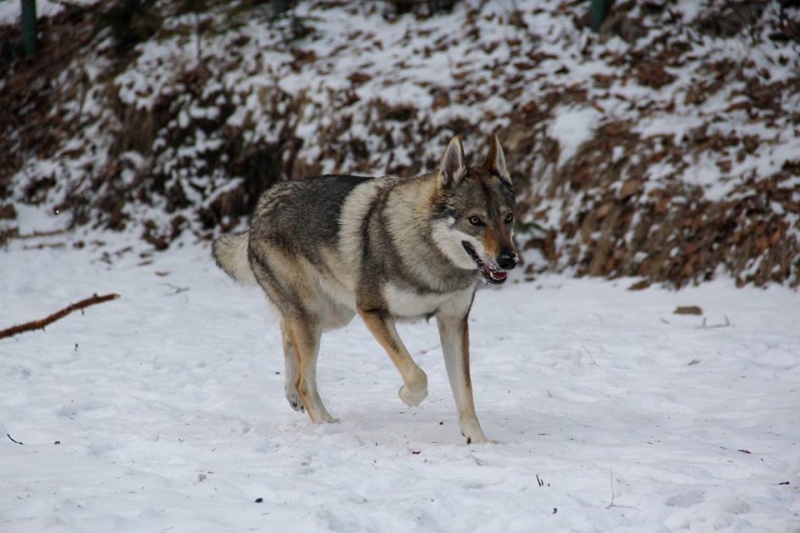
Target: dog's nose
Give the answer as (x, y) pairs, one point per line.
(507, 260)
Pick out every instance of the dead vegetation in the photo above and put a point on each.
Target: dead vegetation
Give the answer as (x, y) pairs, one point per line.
(189, 161)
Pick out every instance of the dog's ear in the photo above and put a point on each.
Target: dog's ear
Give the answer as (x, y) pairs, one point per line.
(496, 160)
(452, 169)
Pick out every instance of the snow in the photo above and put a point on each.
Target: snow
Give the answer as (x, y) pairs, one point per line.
(571, 128)
(11, 10)
(610, 412)
(164, 410)
(30, 220)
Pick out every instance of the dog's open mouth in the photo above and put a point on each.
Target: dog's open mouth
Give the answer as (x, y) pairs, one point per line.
(489, 272)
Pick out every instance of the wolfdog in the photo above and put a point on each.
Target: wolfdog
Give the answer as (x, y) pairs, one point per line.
(388, 248)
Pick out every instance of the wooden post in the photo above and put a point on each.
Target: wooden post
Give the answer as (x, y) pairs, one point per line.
(29, 38)
(279, 7)
(598, 12)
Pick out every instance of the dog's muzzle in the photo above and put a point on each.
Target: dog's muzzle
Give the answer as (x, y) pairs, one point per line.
(495, 274)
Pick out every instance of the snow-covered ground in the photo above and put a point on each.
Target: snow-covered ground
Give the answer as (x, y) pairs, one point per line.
(164, 410)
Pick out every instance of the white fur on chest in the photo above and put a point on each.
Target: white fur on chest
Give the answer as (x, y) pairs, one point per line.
(411, 304)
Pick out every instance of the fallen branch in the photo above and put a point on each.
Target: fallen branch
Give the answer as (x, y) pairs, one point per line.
(40, 324)
(44, 245)
(37, 234)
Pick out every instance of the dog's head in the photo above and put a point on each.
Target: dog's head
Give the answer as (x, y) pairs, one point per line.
(474, 213)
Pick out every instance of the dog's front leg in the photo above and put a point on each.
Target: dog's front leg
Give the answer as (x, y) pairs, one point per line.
(415, 382)
(454, 333)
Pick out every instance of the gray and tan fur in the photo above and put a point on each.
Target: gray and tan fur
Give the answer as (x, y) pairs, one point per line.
(324, 249)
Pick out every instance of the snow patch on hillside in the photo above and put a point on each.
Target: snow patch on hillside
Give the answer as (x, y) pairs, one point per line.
(571, 128)
(658, 108)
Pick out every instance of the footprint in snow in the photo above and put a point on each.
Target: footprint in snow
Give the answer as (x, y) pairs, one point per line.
(686, 499)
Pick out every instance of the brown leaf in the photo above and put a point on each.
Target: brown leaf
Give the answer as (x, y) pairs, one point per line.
(688, 310)
(654, 75)
(630, 187)
(603, 81)
(359, 77)
(640, 285)
(662, 206)
(304, 56)
(7, 212)
(604, 210)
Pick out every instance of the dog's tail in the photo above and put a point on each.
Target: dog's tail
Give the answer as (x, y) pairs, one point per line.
(230, 252)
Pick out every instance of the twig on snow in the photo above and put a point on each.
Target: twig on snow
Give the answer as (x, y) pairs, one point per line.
(176, 289)
(44, 245)
(713, 326)
(41, 324)
(611, 479)
(37, 234)
(14, 441)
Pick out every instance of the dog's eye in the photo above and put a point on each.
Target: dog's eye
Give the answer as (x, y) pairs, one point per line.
(509, 218)
(475, 221)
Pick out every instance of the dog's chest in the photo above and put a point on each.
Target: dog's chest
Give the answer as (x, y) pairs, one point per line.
(403, 303)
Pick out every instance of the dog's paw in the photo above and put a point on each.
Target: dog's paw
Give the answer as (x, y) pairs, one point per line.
(294, 400)
(412, 398)
(481, 439)
(472, 431)
(320, 415)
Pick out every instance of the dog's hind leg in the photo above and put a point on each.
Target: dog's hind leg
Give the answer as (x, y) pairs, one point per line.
(290, 373)
(303, 336)
(415, 382)
(289, 287)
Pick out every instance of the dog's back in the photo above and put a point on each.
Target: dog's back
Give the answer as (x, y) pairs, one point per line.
(301, 217)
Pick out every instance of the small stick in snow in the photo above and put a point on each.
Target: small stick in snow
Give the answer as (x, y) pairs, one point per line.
(37, 234)
(727, 324)
(610, 505)
(14, 441)
(177, 289)
(41, 324)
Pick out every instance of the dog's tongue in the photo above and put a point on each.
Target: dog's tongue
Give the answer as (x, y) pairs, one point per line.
(497, 275)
